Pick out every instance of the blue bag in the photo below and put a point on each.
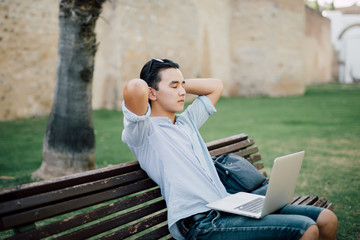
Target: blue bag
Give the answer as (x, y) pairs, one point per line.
(239, 175)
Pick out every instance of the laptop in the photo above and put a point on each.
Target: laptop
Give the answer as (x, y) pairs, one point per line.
(280, 191)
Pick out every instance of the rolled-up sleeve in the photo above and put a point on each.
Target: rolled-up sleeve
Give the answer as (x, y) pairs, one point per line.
(136, 128)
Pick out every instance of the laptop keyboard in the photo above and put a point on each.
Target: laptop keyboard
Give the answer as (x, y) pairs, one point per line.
(254, 206)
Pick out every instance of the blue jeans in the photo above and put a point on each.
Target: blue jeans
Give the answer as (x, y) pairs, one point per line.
(288, 223)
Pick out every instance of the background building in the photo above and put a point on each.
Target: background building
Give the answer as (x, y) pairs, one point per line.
(345, 36)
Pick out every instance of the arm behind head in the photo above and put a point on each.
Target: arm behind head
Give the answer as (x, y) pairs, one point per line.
(136, 94)
(210, 87)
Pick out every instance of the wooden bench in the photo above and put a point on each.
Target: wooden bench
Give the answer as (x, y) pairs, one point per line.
(115, 202)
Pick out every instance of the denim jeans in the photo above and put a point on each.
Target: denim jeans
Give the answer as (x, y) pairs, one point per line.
(288, 223)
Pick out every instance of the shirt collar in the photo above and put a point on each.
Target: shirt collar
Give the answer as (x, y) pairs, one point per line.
(163, 120)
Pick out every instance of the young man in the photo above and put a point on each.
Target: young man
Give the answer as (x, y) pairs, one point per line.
(170, 149)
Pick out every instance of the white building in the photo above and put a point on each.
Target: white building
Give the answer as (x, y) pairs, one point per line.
(345, 36)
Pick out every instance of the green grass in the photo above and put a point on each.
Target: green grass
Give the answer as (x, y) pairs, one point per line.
(325, 122)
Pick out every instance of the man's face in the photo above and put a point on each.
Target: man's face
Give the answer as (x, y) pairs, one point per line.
(170, 95)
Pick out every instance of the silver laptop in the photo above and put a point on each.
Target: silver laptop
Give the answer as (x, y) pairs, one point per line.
(280, 190)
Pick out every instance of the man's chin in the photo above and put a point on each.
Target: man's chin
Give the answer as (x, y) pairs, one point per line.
(180, 109)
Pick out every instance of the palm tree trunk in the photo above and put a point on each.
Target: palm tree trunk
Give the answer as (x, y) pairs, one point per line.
(69, 141)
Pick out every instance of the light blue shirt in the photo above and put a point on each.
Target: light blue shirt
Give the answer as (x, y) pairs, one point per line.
(176, 158)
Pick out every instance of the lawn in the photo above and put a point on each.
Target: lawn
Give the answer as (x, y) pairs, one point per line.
(325, 122)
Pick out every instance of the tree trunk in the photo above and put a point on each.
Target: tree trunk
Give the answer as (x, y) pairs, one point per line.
(69, 141)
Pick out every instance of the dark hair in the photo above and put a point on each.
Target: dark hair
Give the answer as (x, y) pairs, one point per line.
(150, 71)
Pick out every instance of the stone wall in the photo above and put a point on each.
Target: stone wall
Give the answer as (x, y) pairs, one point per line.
(195, 34)
(264, 47)
(131, 33)
(266, 43)
(28, 49)
(318, 50)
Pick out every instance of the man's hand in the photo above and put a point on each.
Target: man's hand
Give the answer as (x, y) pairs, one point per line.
(136, 96)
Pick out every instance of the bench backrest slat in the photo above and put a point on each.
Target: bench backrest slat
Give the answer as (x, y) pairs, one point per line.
(138, 227)
(92, 215)
(116, 221)
(231, 148)
(34, 188)
(62, 207)
(71, 192)
(253, 158)
(226, 141)
(247, 152)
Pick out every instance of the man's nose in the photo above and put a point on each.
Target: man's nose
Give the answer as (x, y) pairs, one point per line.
(182, 91)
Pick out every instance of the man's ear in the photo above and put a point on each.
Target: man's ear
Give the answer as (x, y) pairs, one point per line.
(152, 95)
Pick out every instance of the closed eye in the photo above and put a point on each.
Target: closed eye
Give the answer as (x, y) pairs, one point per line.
(175, 84)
